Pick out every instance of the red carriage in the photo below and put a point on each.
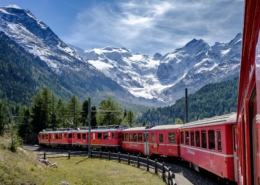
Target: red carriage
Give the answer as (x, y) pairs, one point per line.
(248, 98)
(210, 144)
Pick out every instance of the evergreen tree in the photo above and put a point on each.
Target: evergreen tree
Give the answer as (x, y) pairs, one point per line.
(131, 119)
(84, 113)
(111, 113)
(74, 111)
(143, 123)
(2, 118)
(61, 114)
(93, 116)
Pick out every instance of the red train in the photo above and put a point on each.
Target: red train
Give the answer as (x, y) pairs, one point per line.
(206, 143)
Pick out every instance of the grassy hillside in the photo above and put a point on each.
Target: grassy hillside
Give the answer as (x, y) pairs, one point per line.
(23, 168)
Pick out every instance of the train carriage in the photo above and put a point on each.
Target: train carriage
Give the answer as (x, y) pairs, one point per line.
(164, 140)
(210, 144)
(56, 138)
(248, 110)
(134, 140)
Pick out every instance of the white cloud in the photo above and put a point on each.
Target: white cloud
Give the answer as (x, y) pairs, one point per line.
(156, 25)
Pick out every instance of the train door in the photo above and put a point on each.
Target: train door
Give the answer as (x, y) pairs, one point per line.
(235, 152)
(253, 138)
(146, 144)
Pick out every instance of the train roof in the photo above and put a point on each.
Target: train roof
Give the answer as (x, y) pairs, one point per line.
(134, 129)
(164, 127)
(85, 129)
(217, 120)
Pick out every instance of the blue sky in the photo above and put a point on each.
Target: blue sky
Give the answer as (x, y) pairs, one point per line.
(145, 26)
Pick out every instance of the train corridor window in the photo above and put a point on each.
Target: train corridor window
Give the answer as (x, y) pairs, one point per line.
(70, 135)
(152, 137)
(192, 138)
(182, 137)
(211, 137)
(130, 137)
(161, 138)
(219, 140)
(47, 136)
(171, 137)
(140, 137)
(204, 138)
(187, 138)
(78, 136)
(84, 136)
(197, 138)
(99, 135)
(105, 135)
(135, 137)
(56, 136)
(60, 136)
(126, 137)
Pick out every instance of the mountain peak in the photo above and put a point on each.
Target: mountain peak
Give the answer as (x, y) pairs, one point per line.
(195, 42)
(12, 6)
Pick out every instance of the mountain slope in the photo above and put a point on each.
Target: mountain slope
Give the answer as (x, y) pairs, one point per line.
(82, 79)
(211, 100)
(22, 75)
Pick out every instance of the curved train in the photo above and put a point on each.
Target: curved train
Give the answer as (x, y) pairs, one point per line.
(206, 144)
(226, 145)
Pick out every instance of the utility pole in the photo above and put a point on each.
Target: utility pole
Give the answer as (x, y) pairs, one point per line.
(186, 105)
(89, 125)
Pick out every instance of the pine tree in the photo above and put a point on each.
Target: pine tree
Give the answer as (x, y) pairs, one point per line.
(2, 118)
(112, 115)
(74, 111)
(84, 113)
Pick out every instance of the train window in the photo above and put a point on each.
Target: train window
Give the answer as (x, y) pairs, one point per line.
(135, 137)
(99, 135)
(219, 140)
(113, 135)
(140, 137)
(152, 137)
(171, 137)
(211, 138)
(197, 138)
(161, 138)
(204, 138)
(60, 136)
(119, 135)
(123, 137)
(47, 136)
(145, 137)
(65, 135)
(56, 136)
(187, 138)
(126, 137)
(192, 138)
(105, 135)
(70, 135)
(84, 136)
(182, 137)
(78, 136)
(42, 136)
(130, 137)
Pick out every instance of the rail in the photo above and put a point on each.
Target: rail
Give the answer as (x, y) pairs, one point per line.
(150, 165)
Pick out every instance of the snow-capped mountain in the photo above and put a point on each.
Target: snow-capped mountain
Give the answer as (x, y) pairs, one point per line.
(137, 78)
(165, 77)
(80, 77)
